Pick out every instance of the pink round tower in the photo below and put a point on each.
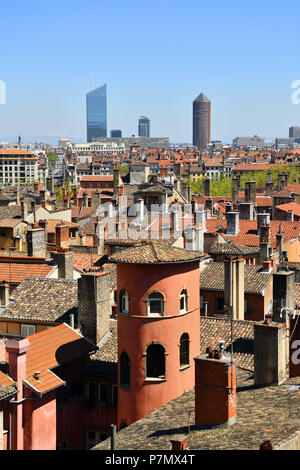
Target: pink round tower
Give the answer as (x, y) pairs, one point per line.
(158, 326)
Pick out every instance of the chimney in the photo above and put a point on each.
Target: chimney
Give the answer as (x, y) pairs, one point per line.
(140, 209)
(63, 258)
(177, 171)
(206, 187)
(37, 188)
(232, 223)
(229, 207)
(94, 307)
(283, 295)
(95, 201)
(234, 286)
(43, 196)
(50, 184)
(4, 294)
(279, 241)
(264, 242)
(262, 219)
(179, 445)
(250, 192)
(62, 235)
(17, 370)
(18, 197)
(75, 196)
(85, 200)
(35, 238)
(116, 176)
(246, 210)
(270, 353)
(290, 216)
(234, 190)
(281, 182)
(33, 210)
(215, 389)
(24, 210)
(209, 204)
(269, 184)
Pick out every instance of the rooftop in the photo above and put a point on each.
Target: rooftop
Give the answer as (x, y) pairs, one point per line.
(275, 417)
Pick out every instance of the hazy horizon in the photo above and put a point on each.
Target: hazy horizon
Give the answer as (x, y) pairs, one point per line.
(155, 61)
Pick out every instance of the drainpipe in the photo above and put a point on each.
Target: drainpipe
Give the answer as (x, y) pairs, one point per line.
(113, 436)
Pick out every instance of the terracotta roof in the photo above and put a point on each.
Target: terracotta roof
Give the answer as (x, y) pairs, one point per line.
(43, 300)
(9, 222)
(52, 223)
(17, 272)
(92, 178)
(10, 151)
(290, 206)
(49, 349)
(82, 261)
(155, 252)
(5, 391)
(247, 235)
(212, 278)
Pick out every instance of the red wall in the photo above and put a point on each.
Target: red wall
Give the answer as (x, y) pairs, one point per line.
(136, 331)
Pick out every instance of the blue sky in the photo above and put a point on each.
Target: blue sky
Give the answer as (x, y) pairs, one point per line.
(155, 57)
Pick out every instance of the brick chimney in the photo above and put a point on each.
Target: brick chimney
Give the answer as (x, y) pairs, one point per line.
(234, 190)
(94, 306)
(35, 238)
(17, 370)
(95, 201)
(24, 210)
(215, 389)
(279, 241)
(50, 184)
(262, 219)
(270, 353)
(63, 258)
(250, 192)
(62, 235)
(116, 176)
(75, 196)
(179, 444)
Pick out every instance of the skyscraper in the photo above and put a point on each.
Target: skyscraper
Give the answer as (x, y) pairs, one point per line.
(201, 121)
(116, 133)
(144, 126)
(96, 113)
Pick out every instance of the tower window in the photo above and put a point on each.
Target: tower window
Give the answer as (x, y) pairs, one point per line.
(183, 301)
(184, 350)
(124, 301)
(124, 370)
(155, 361)
(155, 304)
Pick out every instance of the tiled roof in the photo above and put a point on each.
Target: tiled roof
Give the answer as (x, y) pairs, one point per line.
(105, 360)
(290, 206)
(17, 272)
(248, 236)
(81, 212)
(230, 248)
(212, 278)
(51, 348)
(6, 391)
(52, 223)
(155, 252)
(83, 261)
(263, 413)
(9, 222)
(214, 329)
(43, 300)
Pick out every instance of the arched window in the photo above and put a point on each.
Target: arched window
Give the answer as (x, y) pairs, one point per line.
(124, 301)
(183, 301)
(184, 350)
(155, 304)
(124, 370)
(155, 361)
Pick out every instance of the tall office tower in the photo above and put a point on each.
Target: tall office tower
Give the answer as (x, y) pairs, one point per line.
(116, 133)
(201, 121)
(294, 132)
(96, 114)
(144, 126)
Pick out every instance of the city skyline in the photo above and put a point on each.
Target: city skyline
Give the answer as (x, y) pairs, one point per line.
(242, 78)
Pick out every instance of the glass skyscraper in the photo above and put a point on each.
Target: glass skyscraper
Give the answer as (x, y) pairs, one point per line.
(144, 126)
(96, 114)
(201, 121)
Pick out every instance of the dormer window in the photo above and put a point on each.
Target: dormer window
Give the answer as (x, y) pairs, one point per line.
(124, 301)
(183, 301)
(155, 304)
